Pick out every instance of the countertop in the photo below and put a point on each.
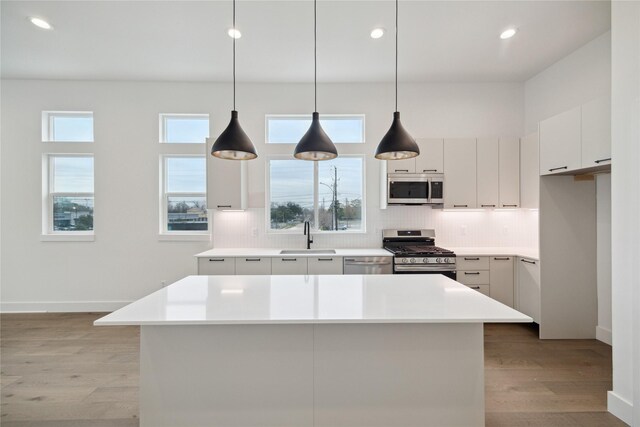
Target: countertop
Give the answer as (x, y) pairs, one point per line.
(339, 299)
(275, 252)
(531, 253)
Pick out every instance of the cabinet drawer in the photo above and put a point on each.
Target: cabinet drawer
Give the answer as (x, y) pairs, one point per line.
(325, 265)
(216, 266)
(251, 266)
(473, 277)
(289, 265)
(472, 262)
(483, 289)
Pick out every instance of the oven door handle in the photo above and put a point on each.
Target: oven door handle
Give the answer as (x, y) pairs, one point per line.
(419, 268)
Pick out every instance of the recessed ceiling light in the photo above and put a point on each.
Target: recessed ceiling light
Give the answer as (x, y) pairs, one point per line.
(376, 33)
(234, 33)
(508, 33)
(40, 23)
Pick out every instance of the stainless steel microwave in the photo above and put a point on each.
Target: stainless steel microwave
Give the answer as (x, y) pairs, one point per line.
(415, 189)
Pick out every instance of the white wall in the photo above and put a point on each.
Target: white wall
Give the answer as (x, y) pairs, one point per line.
(127, 260)
(603, 239)
(624, 400)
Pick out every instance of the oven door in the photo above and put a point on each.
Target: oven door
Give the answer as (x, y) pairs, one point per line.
(407, 190)
(449, 272)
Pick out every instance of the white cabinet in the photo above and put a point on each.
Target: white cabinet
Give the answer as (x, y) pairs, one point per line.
(253, 265)
(431, 158)
(483, 289)
(473, 277)
(216, 266)
(460, 173)
(528, 288)
(401, 166)
(289, 265)
(596, 133)
(501, 279)
(560, 143)
(529, 172)
(509, 173)
(487, 173)
(325, 265)
(226, 184)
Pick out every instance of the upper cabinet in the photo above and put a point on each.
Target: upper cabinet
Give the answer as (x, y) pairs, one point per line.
(401, 166)
(529, 172)
(509, 172)
(487, 173)
(560, 143)
(431, 158)
(596, 133)
(460, 173)
(226, 184)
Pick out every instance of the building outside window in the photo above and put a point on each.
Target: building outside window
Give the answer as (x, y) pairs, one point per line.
(184, 200)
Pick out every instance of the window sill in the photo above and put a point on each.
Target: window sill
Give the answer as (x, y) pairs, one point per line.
(67, 237)
(177, 237)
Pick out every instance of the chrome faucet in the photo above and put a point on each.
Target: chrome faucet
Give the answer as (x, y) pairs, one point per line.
(307, 232)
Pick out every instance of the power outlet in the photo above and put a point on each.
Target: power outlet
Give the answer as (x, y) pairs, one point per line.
(463, 230)
(254, 232)
(163, 283)
(505, 230)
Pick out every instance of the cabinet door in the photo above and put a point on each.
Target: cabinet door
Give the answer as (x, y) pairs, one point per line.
(483, 289)
(431, 158)
(596, 133)
(325, 265)
(460, 173)
(487, 172)
(472, 262)
(528, 288)
(560, 143)
(216, 266)
(401, 166)
(509, 172)
(252, 266)
(473, 277)
(288, 265)
(501, 279)
(226, 184)
(529, 172)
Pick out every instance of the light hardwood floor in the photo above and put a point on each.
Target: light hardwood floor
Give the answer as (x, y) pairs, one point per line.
(58, 370)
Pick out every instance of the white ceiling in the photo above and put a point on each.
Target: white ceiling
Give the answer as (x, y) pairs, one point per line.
(187, 40)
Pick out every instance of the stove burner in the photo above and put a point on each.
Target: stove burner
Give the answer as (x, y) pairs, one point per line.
(418, 250)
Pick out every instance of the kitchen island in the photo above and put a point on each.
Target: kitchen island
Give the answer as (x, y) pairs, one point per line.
(352, 350)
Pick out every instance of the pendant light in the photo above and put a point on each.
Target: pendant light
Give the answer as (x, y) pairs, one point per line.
(397, 144)
(315, 144)
(233, 143)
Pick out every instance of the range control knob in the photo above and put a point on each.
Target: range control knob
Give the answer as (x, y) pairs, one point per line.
(449, 260)
(425, 260)
(404, 260)
(412, 260)
(438, 260)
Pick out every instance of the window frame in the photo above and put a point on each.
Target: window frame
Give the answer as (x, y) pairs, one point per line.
(164, 232)
(48, 127)
(316, 205)
(307, 117)
(162, 127)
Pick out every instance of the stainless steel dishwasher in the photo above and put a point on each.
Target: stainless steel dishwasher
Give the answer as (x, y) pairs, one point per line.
(368, 265)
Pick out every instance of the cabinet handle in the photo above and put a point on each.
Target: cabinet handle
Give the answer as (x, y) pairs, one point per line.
(557, 169)
(603, 160)
(509, 206)
(471, 259)
(289, 259)
(488, 206)
(224, 206)
(460, 206)
(216, 259)
(429, 170)
(325, 259)
(474, 287)
(475, 273)
(501, 258)
(528, 262)
(252, 259)
(401, 170)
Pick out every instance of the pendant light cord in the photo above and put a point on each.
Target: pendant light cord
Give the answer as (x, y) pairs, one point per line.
(234, 55)
(396, 55)
(315, 56)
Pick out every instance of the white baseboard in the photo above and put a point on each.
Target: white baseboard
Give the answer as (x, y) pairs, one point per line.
(604, 335)
(620, 407)
(61, 306)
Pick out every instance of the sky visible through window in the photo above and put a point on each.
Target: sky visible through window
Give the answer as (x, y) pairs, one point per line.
(186, 129)
(71, 128)
(186, 174)
(73, 174)
(289, 130)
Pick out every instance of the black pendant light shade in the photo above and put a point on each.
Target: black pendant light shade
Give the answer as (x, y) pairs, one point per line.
(397, 144)
(315, 144)
(233, 143)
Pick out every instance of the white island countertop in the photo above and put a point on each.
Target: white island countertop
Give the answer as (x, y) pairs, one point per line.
(276, 252)
(323, 299)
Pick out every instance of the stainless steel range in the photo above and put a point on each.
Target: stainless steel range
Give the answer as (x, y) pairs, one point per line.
(414, 251)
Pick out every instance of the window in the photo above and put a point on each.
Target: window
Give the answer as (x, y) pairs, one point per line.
(67, 126)
(289, 129)
(184, 200)
(184, 128)
(329, 194)
(70, 194)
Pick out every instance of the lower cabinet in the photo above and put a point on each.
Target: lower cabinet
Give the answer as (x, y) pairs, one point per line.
(288, 265)
(501, 273)
(216, 266)
(473, 271)
(492, 276)
(527, 295)
(251, 266)
(268, 265)
(325, 265)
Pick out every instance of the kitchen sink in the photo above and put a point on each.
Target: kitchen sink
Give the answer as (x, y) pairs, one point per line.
(307, 251)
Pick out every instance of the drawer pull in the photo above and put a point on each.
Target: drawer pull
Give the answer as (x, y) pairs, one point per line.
(216, 259)
(471, 259)
(509, 206)
(325, 259)
(475, 273)
(224, 206)
(557, 169)
(429, 170)
(501, 258)
(528, 262)
(602, 160)
(460, 206)
(252, 259)
(474, 287)
(488, 206)
(401, 170)
(289, 259)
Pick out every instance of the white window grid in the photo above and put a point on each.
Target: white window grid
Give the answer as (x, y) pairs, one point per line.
(307, 117)
(164, 117)
(48, 124)
(166, 195)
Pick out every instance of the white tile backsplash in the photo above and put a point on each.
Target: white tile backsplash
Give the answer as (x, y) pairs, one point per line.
(490, 228)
